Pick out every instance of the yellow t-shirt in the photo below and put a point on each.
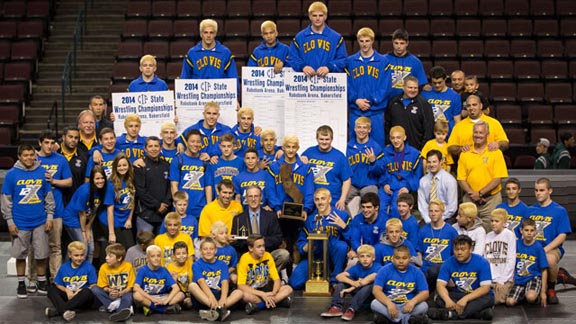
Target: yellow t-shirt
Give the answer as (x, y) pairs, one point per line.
(119, 278)
(213, 212)
(479, 169)
(462, 133)
(167, 245)
(256, 272)
(183, 274)
(433, 145)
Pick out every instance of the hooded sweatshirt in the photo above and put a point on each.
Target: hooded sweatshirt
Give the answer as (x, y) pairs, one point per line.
(476, 233)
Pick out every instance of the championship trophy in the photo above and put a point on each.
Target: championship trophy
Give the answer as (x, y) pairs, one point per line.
(294, 209)
(317, 284)
(241, 231)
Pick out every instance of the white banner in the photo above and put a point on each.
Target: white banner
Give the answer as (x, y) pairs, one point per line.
(193, 94)
(263, 91)
(313, 102)
(153, 107)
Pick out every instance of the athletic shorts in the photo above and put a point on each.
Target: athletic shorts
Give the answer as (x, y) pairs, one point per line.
(518, 292)
(36, 238)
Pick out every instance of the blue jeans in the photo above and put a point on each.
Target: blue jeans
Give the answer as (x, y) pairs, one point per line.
(76, 235)
(359, 296)
(419, 309)
(105, 299)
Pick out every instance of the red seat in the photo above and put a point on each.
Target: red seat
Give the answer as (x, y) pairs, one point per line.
(237, 27)
(33, 29)
(387, 26)
(491, 8)
(568, 27)
(565, 114)
(470, 48)
(8, 29)
(443, 28)
(38, 9)
(238, 48)
(516, 136)
(416, 8)
(418, 27)
(508, 114)
(360, 23)
(364, 8)
(12, 94)
(19, 72)
(566, 7)
(25, 51)
(187, 28)
(542, 8)
(6, 162)
(344, 25)
(546, 28)
(420, 48)
(555, 69)
(496, 49)
(530, 92)
(501, 70)
(129, 51)
(161, 70)
(188, 9)
(213, 8)
(179, 49)
(5, 50)
(517, 8)
(537, 133)
(474, 67)
(519, 27)
(5, 136)
(468, 27)
(570, 48)
(494, 28)
(265, 8)
(550, 49)
(125, 71)
(160, 30)
(173, 70)
(444, 49)
(135, 29)
(522, 48)
(440, 8)
(164, 9)
(158, 49)
(288, 27)
(290, 8)
(11, 115)
(239, 8)
(524, 162)
(558, 92)
(465, 8)
(390, 8)
(540, 115)
(14, 10)
(527, 69)
(503, 91)
(138, 9)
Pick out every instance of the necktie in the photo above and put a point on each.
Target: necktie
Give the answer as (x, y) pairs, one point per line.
(255, 224)
(434, 188)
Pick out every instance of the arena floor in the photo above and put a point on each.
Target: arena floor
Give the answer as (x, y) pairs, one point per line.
(304, 310)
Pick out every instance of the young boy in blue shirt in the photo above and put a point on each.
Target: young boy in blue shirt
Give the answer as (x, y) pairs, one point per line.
(400, 291)
(252, 175)
(357, 281)
(154, 288)
(211, 283)
(148, 80)
(72, 283)
(471, 296)
(247, 136)
(531, 275)
(224, 251)
(270, 53)
(390, 240)
(107, 153)
(409, 223)
(229, 165)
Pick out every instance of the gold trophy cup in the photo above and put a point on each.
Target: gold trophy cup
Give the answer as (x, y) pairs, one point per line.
(317, 284)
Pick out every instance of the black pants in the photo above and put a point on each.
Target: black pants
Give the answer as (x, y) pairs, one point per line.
(473, 307)
(82, 300)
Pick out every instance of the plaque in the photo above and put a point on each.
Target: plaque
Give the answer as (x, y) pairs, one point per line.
(242, 233)
(291, 210)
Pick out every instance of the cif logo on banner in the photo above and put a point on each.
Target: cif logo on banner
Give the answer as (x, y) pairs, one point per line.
(142, 99)
(271, 75)
(205, 86)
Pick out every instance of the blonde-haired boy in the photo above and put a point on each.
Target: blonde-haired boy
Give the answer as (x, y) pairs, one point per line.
(132, 143)
(245, 133)
(357, 281)
(224, 251)
(500, 251)
(468, 223)
(148, 80)
(391, 239)
(166, 241)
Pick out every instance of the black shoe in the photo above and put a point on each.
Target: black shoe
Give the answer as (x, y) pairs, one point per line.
(173, 309)
(21, 291)
(223, 313)
(42, 288)
(381, 319)
(439, 314)
(50, 312)
(251, 308)
(551, 296)
(121, 315)
(486, 314)
(286, 302)
(564, 277)
(418, 319)
(32, 287)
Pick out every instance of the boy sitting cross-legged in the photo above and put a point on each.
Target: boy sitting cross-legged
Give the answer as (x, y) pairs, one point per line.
(154, 288)
(357, 281)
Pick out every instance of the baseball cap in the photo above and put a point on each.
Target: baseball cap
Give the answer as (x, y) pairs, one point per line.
(544, 142)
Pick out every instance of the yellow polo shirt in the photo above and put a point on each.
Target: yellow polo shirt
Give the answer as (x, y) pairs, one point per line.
(213, 212)
(479, 169)
(462, 133)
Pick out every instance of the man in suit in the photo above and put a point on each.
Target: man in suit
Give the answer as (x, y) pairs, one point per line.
(257, 220)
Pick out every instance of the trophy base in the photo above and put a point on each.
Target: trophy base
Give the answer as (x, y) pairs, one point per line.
(317, 288)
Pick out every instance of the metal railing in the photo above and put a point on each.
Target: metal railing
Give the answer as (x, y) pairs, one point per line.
(53, 114)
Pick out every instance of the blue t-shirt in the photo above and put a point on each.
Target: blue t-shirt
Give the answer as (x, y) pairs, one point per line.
(210, 137)
(551, 221)
(139, 85)
(80, 202)
(190, 173)
(435, 244)
(225, 169)
(330, 169)
(246, 179)
(361, 232)
(189, 226)
(57, 165)
(245, 140)
(467, 276)
(76, 278)
(399, 286)
(168, 155)
(154, 282)
(107, 159)
(530, 261)
(28, 189)
(402, 67)
(213, 273)
(447, 104)
(123, 205)
(384, 252)
(358, 272)
(515, 216)
(410, 229)
(325, 225)
(228, 255)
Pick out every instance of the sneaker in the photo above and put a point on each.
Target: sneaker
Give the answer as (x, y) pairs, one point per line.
(69, 315)
(286, 302)
(42, 288)
(121, 315)
(132, 310)
(146, 310)
(438, 314)
(21, 291)
(348, 314)
(552, 298)
(208, 314)
(102, 309)
(32, 288)
(50, 312)
(333, 311)
(173, 309)
(418, 319)
(564, 277)
(381, 319)
(251, 308)
(486, 314)
(223, 313)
